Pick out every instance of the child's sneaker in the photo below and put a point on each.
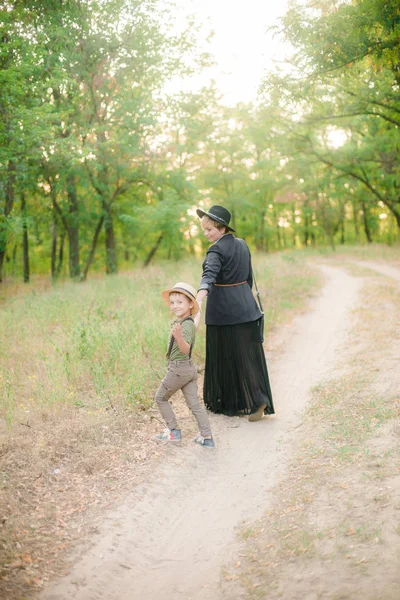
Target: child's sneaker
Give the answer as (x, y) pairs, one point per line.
(169, 435)
(206, 442)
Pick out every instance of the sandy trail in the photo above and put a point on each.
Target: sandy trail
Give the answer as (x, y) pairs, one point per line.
(173, 535)
(381, 268)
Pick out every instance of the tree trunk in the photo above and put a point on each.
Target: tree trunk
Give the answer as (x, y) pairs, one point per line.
(306, 232)
(294, 224)
(278, 235)
(61, 254)
(152, 252)
(25, 241)
(355, 219)
(73, 229)
(74, 266)
(2, 255)
(278, 230)
(342, 236)
(54, 233)
(8, 206)
(57, 261)
(365, 222)
(111, 248)
(93, 247)
(14, 259)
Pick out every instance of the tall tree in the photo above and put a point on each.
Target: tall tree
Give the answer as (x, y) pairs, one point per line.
(345, 76)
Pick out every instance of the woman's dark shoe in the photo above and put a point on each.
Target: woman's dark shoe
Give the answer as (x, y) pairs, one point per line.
(257, 414)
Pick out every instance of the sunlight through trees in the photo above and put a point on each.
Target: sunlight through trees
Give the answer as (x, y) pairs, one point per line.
(101, 168)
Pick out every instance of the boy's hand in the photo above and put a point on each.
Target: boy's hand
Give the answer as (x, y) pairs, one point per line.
(197, 320)
(176, 331)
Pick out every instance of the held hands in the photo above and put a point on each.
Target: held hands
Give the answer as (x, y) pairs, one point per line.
(202, 294)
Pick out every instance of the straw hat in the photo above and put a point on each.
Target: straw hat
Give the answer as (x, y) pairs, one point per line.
(187, 290)
(217, 213)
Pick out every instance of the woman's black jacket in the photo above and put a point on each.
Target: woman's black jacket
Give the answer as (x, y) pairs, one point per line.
(228, 261)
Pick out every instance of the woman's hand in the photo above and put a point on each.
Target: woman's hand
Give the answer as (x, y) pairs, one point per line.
(200, 297)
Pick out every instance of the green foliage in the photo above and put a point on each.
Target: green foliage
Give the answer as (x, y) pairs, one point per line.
(99, 168)
(346, 79)
(93, 72)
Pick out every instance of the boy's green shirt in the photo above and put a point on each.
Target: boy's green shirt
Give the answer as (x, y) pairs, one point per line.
(189, 335)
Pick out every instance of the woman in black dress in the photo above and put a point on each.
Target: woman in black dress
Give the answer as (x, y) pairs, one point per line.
(236, 377)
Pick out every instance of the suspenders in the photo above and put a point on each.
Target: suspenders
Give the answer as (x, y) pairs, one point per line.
(172, 340)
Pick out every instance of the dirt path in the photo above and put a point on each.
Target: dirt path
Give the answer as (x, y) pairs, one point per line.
(380, 267)
(331, 528)
(172, 537)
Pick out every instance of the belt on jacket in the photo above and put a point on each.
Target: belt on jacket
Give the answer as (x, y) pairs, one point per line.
(229, 284)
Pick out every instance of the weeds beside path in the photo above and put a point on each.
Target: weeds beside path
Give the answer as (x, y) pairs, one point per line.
(171, 537)
(333, 531)
(79, 365)
(66, 460)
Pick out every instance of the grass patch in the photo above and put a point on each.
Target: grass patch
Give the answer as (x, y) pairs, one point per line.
(349, 417)
(333, 513)
(364, 251)
(103, 342)
(286, 282)
(247, 533)
(79, 365)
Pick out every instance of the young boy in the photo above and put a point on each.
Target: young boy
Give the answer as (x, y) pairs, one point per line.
(181, 372)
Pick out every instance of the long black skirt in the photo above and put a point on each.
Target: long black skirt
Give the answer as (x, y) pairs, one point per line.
(236, 376)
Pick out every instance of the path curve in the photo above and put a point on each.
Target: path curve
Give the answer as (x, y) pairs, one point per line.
(379, 267)
(173, 535)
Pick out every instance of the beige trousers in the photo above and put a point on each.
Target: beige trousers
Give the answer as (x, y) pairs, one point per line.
(182, 375)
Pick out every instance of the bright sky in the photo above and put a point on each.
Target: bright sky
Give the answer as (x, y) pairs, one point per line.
(241, 44)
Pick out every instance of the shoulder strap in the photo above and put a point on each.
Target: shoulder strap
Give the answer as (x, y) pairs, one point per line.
(257, 293)
(255, 282)
(172, 339)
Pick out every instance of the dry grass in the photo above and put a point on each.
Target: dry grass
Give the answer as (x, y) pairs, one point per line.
(332, 526)
(101, 343)
(79, 367)
(365, 251)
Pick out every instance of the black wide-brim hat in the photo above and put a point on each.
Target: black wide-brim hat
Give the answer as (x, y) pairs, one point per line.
(217, 213)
